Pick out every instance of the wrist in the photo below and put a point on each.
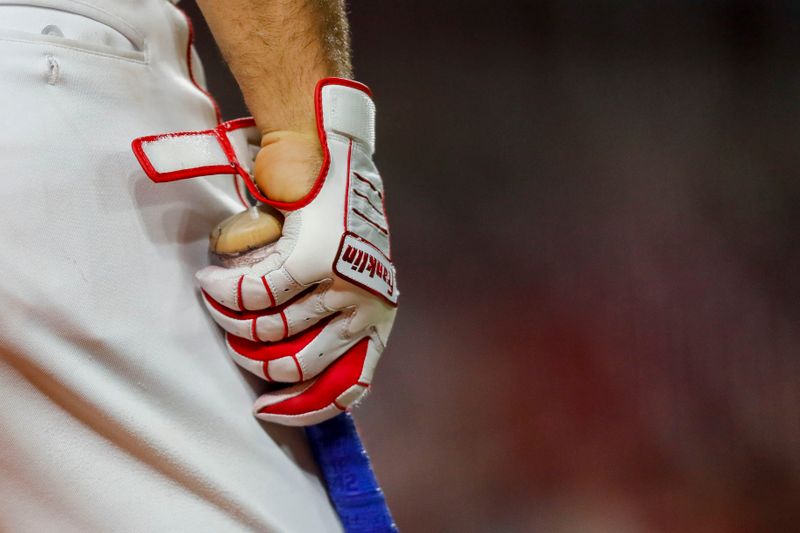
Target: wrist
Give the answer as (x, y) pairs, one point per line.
(285, 108)
(302, 123)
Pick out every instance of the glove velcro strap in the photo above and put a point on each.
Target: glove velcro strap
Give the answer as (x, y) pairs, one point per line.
(188, 154)
(348, 109)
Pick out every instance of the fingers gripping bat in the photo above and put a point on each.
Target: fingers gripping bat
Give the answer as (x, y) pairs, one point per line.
(335, 443)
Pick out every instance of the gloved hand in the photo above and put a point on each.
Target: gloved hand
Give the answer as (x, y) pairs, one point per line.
(316, 307)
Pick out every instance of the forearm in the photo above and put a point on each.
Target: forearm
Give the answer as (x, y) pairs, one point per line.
(277, 51)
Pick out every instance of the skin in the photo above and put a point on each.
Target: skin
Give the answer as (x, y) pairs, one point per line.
(253, 228)
(277, 51)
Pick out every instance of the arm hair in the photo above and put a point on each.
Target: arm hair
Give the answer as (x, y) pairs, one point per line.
(278, 50)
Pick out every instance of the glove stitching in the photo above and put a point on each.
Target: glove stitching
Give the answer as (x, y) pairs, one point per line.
(358, 146)
(344, 333)
(233, 294)
(327, 283)
(375, 336)
(293, 285)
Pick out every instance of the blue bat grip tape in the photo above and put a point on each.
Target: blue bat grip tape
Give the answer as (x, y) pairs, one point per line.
(348, 475)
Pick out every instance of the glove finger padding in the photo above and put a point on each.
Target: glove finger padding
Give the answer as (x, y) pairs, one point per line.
(249, 288)
(298, 358)
(274, 323)
(336, 389)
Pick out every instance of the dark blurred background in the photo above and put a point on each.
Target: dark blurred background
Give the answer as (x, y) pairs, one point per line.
(595, 219)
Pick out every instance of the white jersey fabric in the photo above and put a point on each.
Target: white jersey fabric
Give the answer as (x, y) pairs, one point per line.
(120, 409)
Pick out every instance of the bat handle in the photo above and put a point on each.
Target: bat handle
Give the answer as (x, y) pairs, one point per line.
(337, 448)
(348, 474)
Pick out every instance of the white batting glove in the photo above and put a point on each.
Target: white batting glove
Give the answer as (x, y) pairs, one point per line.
(316, 307)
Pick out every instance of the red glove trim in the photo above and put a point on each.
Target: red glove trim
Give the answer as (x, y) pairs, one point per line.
(337, 378)
(268, 351)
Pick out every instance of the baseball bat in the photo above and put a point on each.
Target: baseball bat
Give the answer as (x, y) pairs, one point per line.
(335, 443)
